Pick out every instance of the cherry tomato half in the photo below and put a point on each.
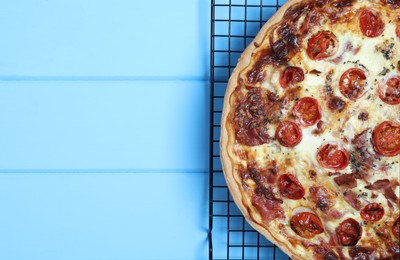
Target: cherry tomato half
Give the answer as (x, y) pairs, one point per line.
(389, 92)
(322, 45)
(332, 156)
(349, 232)
(352, 83)
(306, 224)
(386, 138)
(288, 133)
(371, 23)
(290, 187)
(307, 111)
(290, 76)
(372, 212)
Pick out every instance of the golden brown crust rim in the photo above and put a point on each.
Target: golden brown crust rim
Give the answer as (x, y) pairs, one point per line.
(227, 137)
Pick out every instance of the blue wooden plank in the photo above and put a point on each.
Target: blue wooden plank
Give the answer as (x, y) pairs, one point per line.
(103, 216)
(104, 38)
(104, 126)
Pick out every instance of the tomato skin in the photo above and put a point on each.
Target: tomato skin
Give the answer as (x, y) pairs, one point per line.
(290, 76)
(332, 156)
(306, 224)
(322, 45)
(372, 212)
(290, 187)
(352, 83)
(371, 24)
(349, 232)
(307, 111)
(389, 92)
(288, 133)
(386, 139)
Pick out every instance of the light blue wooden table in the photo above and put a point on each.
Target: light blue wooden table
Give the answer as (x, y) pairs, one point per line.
(104, 129)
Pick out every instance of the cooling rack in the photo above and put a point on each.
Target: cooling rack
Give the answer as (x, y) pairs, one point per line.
(234, 24)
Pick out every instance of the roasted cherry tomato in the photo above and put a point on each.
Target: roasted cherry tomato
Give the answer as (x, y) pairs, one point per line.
(306, 224)
(386, 138)
(322, 45)
(332, 156)
(307, 111)
(288, 133)
(371, 23)
(349, 232)
(290, 76)
(290, 187)
(352, 83)
(389, 92)
(372, 212)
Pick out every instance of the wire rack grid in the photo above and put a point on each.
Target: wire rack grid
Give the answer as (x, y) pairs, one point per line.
(234, 24)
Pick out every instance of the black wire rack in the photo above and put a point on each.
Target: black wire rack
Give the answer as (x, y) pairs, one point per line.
(234, 24)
